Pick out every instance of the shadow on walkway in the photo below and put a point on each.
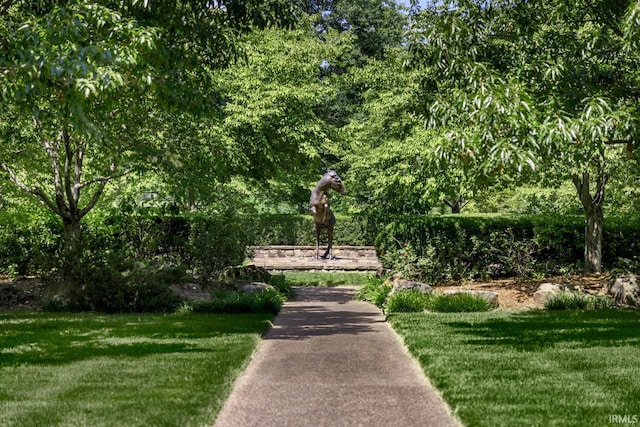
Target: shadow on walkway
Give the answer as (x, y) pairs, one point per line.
(332, 361)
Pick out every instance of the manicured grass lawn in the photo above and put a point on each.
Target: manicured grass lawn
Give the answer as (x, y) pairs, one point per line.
(562, 368)
(327, 279)
(121, 370)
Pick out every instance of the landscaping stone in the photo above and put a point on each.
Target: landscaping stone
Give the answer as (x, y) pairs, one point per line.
(402, 285)
(547, 290)
(625, 290)
(489, 296)
(190, 292)
(246, 272)
(256, 287)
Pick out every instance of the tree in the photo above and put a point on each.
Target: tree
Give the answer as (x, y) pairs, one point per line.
(85, 85)
(535, 83)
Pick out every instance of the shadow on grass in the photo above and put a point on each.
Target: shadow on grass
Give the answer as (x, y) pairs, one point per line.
(44, 338)
(538, 330)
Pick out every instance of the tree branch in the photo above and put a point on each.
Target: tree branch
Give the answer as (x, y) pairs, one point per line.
(5, 6)
(103, 181)
(598, 197)
(70, 190)
(36, 191)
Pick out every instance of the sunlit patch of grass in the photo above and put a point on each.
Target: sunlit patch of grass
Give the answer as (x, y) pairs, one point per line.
(327, 279)
(86, 369)
(569, 368)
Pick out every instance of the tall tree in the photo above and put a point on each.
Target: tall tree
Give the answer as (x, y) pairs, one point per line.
(536, 83)
(85, 85)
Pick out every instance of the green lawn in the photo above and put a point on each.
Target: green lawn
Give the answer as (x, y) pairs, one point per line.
(327, 279)
(121, 370)
(538, 368)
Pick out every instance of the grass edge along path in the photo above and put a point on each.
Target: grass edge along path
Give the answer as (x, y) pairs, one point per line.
(113, 370)
(535, 368)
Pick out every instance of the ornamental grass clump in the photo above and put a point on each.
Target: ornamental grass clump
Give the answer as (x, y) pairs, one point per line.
(375, 292)
(578, 301)
(408, 301)
(231, 302)
(412, 301)
(458, 303)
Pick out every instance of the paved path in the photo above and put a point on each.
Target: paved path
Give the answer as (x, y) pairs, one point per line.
(332, 361)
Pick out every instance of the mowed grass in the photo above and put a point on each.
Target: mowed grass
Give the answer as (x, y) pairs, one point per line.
(561, 368)
(121, 370)
(327, 279)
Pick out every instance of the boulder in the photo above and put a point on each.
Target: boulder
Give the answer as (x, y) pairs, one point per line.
(403, 284)
(490, 296)
(190, 292)
(246, 272)
(547, 290)
(625, 290)
(256, 287)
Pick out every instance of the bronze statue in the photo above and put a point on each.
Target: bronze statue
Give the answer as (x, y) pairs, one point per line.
(323, 217)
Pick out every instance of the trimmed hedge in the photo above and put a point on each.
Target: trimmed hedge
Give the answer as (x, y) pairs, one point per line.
(283, 229)
(426, 247)
(435, 248)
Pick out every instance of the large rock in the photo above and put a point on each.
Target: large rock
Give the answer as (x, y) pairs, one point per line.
(489, 296)
(625, 290)
(547, 290)
(256, 287)
(247, 273)
(190, 292)
(403, 284)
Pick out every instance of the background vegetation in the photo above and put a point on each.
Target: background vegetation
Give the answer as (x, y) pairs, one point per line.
(129, 142)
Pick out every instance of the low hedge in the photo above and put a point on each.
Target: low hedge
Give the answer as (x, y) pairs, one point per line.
(435, 248)
(263, 230)
(429, 247)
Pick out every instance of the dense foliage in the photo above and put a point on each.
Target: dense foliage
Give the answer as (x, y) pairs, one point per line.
(435, 248)
(141, 125)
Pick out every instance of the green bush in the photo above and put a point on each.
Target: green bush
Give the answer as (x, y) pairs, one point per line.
(111, 285)
(578, 301)
(281, 284)
(26, 239)
(283, 229)
(411, 301)
(407, 301)
(374, 292)
(237, 302)
(458, 303)
(433, 248)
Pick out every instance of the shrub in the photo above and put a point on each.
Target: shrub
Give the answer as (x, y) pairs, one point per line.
(578, 301)
(283, 229)
(27, 238)
(457, 303)
(407, 301)
(214, 245)
(374, 292)
(111, 284)
(434, 248)
(237, 302)
(281, 284)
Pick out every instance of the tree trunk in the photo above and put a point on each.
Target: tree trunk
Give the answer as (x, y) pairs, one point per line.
(456, 206)
(592, 206)
(593, 240)
(71, 245)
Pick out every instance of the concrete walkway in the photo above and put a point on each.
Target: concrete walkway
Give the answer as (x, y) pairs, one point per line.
(332, 361)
